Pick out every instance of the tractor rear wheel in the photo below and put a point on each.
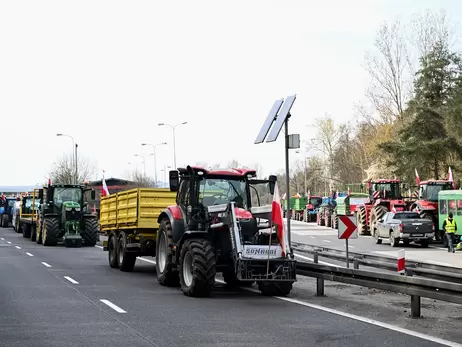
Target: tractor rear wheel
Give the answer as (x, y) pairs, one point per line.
(197, 268)
(90, 233)
(167, 273)
(50, 232)
(126, 260)
(362, 221)
(377, 213)
(275, 288)
(5, 220)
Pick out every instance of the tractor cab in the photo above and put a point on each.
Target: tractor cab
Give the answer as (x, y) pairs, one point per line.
(384, 189)
(428, 190)
(6, 210)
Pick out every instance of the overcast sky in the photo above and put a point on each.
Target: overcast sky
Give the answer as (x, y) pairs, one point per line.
(107, 72)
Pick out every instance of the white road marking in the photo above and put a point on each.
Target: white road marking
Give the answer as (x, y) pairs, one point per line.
(71, 280)
(312, 237)
(99, 246)
(351, 246)
(2, 239)
(111, 305)
(18, 247)
(326, 241)
(8, 242)
(339, 313)
(30, 255)
(438, 263)
(46, 264)
(147, 260)
(319, 261)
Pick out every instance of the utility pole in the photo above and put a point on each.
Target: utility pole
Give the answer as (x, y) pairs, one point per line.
(174, 143)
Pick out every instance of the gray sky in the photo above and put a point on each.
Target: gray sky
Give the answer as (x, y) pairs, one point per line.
(106, 72)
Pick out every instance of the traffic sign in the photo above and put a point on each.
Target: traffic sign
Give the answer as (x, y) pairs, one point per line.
(347, 228)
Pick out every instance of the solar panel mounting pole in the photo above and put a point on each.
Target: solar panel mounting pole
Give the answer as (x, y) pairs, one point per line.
(287, 143)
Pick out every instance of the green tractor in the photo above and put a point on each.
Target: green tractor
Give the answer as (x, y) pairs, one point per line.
(62, 217)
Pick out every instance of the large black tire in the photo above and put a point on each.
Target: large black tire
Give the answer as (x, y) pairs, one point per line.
(362, 221)
(90, 233)
(167, 272)
(33, 232)
(5, 221)
(377, 212)
(197, 268)
(26, 228)
(112, 248)
(126, 260)
(51, 232)
(275, 288)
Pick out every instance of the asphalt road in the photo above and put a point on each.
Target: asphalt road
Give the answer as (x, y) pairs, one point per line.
(53, 296)
(312, 234)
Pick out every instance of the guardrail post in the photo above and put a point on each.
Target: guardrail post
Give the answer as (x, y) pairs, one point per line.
(319, 281)
(415, 306)
(355, 264)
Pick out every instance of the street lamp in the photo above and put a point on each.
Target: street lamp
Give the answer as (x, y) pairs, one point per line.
(174, 145)
(165, 172)
(74, 155)
(154, 154)
(144, 162)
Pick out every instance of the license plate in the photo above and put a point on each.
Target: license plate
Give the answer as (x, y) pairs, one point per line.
(417, 235)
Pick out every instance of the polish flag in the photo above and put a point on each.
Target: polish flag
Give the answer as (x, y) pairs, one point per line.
(104, 190)
(349, 191)
(417, 178)
(278, 220)
(309, 196)
(451, 178)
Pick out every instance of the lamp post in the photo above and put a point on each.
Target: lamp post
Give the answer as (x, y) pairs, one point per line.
(165, 172)
(144, 162)
(174, 145)
(154, 154)
(74, 155)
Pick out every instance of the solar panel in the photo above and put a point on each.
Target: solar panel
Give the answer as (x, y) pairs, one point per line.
(269, 121)
(276, 129)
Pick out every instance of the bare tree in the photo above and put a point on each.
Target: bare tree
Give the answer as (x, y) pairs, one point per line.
(142, 181)
(64, 170)
(389, 71)
(327, 136)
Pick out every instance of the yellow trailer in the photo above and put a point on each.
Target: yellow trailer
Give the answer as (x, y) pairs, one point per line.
(129, 220)
(28, 214)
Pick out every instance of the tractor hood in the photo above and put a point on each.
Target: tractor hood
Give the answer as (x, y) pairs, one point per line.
(427, 205)
(242, 213)
(69, 205)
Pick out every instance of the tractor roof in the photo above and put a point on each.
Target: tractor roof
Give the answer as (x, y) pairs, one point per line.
(385, 180)
(66, 186)
(435, 182)
(243, 173)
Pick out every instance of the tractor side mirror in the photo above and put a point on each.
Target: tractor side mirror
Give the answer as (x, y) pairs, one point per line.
(92, 195)
(272, 183)
(174, 180)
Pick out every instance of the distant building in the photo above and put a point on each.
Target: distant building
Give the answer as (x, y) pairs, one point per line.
(14, 190)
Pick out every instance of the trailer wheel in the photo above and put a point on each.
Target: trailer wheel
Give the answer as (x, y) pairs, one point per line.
(90, 233)
(50, 232)
(126, 260)
(167, 273)
(112, 251)
(197, 268)
(33, 232)
(275, 288)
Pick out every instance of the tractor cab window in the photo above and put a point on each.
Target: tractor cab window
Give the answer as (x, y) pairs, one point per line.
(260, 194)
(430, 192)
(66, 194)
(387, 190)
(216, 191)
(315, 201)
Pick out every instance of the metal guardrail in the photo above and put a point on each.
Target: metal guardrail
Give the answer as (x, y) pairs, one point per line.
(413, 268)
(413, 286)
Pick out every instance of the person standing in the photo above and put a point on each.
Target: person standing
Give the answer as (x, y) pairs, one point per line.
(450, 228)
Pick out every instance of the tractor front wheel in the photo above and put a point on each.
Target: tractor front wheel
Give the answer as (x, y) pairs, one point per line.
(50, 232)
(197, 268)
(377, 213)
(90, 233)
(167, 273)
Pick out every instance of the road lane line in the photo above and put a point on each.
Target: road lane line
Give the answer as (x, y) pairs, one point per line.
(147, 260)
(326, 241)
(319, 261)
(351, 246)
(99, 246)
(2, 239)
(18, 247)
(46, 264)
(312, 237)
(71, 280)
(30, 255)
(111, 305)
(8, 242)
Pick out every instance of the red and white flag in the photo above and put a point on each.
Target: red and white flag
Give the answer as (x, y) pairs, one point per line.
(349, 192)
(278, 220)
(451, 178)
(417, 178)
(104, 190)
